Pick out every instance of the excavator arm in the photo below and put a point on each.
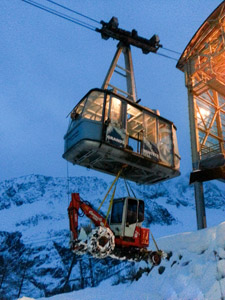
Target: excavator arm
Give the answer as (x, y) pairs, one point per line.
(75, 204)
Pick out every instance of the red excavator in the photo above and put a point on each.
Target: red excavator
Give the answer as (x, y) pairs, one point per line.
(121, 237)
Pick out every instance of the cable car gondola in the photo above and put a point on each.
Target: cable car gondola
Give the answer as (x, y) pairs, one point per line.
(109, 129)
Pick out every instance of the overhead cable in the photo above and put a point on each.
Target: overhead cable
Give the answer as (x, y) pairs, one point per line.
(74, 11)
(61, 15)
(171, 50)
(79, 22)
(172, 58)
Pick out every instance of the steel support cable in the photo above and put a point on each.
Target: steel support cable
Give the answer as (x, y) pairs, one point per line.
(131, 190)
(172, 58)
(79, 22)
(170, 50)
(126, 187)
(59, 14)
(74, 11)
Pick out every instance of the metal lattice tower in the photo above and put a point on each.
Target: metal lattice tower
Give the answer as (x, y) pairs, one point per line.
(203, 62)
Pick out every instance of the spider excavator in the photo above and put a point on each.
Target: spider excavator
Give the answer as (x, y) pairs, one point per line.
(120, 237)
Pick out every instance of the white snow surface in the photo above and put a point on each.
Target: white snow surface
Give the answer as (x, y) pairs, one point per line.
(195, 271)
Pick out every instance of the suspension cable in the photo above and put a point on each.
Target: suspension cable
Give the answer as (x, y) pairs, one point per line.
(172, 58)
(79, 22)
(74, 11)
(171, 50)
(61, 15)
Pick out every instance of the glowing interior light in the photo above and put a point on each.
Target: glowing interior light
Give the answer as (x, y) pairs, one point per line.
(204, 113)
(115, 109)
(116, 104)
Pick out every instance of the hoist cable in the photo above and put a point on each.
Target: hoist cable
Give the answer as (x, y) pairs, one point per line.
(131, 190)
(126, 187)
(61, 15)
(127, 184)
(74, 11)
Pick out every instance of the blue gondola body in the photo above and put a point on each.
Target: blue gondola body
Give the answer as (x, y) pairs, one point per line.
(107, 131)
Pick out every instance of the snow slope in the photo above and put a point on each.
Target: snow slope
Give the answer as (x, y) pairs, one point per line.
(194, 271)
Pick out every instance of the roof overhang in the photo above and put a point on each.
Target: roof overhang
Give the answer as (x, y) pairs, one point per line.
(203, 34)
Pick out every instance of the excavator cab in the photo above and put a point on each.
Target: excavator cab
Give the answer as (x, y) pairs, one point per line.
(127, 214)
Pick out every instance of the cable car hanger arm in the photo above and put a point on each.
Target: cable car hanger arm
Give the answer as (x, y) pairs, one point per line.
(112, 30)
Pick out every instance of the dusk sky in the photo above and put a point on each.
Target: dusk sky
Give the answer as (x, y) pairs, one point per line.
(48, 64)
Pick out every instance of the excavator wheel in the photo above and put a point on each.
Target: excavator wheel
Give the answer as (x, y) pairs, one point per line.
(155, 258)
(101, 243)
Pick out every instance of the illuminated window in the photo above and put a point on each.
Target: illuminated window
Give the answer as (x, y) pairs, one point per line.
(94, 106)
(134, 122)
(150, 125)
(116, 112)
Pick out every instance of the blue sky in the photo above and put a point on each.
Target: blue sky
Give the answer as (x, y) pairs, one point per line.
(47, 64)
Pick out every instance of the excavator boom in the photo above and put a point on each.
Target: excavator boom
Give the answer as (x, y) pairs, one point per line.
(92, 214)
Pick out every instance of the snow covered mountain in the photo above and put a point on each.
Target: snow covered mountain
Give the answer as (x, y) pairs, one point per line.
(34, 233)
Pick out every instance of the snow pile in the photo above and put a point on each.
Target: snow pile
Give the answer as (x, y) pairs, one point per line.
(195, 270)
